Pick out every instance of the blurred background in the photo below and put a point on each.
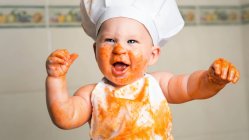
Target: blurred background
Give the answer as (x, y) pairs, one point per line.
(31, 29)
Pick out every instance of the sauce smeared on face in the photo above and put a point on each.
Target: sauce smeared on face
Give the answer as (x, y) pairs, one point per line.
(121, 68)
(123, 48)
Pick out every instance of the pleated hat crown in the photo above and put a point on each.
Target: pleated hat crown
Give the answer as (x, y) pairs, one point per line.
(162, 18)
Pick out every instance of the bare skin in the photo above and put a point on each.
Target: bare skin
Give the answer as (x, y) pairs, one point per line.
(201, 84)
(69, 112)
(65, 111)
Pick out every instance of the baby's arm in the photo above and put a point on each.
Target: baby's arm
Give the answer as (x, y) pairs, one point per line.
(65, 111)
(200, 84)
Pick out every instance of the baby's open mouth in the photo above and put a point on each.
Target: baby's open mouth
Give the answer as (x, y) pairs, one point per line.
(119, 68)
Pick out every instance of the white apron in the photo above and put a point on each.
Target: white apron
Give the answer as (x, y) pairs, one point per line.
(133, 112)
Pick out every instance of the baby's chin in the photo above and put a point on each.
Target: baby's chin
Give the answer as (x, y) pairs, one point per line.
(123, 81)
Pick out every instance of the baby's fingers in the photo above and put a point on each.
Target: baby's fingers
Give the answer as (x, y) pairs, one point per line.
(55, 60)
(233, 74)
(220, 67)
(224, 70)
(73, 57)
(217, 68)
(63, 54)
(236, 77)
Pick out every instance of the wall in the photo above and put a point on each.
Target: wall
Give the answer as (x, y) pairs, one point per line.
(224, 116)
(23, 113)
(245, 34)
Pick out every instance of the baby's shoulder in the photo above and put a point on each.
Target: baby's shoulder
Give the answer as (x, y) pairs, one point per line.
(159, 76)
(86, 90)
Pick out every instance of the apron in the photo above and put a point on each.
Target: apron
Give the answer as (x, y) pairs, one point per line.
(136, 111)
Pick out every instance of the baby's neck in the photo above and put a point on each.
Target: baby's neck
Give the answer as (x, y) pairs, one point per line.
(119, 86)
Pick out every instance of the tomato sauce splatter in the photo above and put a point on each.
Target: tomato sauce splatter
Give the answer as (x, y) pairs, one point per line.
(132, 118)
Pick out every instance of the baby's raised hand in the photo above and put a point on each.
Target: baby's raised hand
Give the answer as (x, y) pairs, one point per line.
(58, 62)
(222, 72)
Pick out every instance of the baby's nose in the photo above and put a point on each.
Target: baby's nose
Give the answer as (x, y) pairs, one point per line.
(118, 49)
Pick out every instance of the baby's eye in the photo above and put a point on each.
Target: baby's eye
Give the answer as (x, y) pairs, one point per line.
(110, 40)
(131, 41)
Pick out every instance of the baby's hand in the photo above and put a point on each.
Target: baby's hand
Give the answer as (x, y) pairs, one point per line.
(58, 62)
(222, 72)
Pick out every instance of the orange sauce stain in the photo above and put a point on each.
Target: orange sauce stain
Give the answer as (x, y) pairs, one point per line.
(106, 55)
(122, 116)
(163, 120)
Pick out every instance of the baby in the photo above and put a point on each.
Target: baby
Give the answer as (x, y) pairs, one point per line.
(128, 103)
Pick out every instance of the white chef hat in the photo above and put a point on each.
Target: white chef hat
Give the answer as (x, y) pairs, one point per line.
(161, 17)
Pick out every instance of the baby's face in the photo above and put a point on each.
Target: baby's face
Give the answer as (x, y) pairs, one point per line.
(123, 50)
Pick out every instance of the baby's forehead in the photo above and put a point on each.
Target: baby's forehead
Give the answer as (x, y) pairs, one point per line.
(126, 20)
(129, 23)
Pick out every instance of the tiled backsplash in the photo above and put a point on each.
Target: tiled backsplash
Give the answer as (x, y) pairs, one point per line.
(215, 15)
(69, 16)
(61, 16)
(245, 14)
(22, 16)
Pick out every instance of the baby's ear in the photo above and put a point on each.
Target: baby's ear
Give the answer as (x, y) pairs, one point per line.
(155, 53)
(94, 49)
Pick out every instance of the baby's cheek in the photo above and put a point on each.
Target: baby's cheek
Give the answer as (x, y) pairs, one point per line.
(139, 63)
(103, 57)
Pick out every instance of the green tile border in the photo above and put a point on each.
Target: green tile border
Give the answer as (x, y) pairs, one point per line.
(245, 14)
(22, 16)
(62, 16)
(189, 14)
(219, 15)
